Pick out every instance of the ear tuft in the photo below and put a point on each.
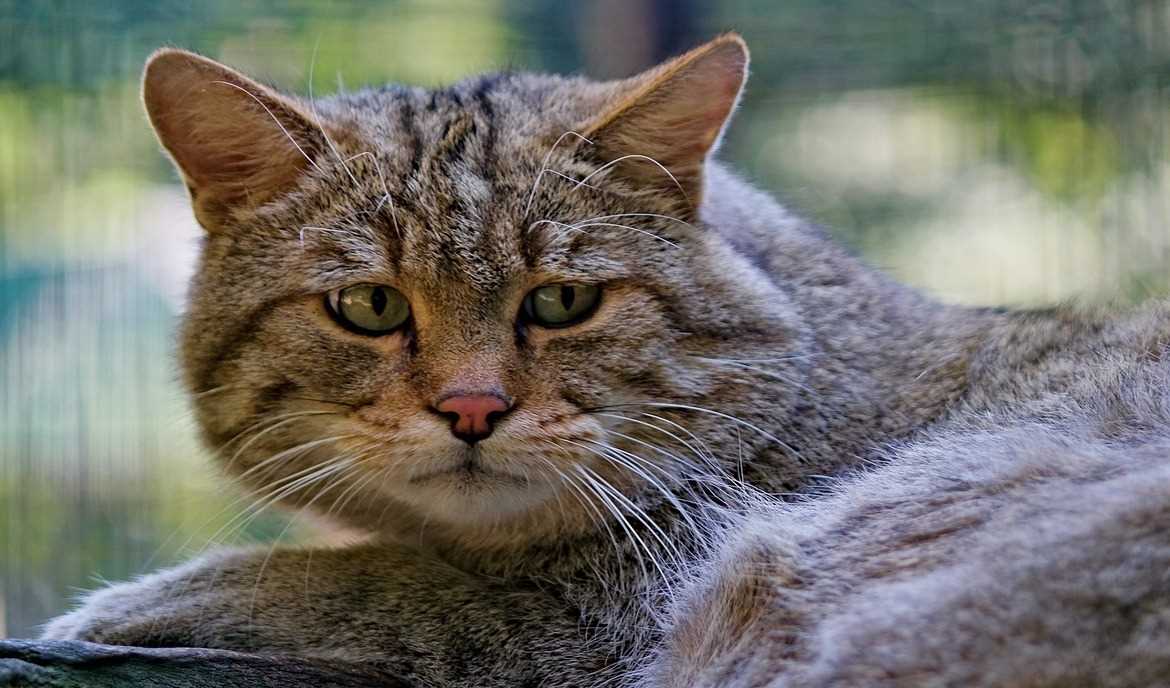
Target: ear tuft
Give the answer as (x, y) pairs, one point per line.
(673, 115)
(236, 142)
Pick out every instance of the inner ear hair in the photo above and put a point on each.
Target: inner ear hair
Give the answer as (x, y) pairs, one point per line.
(665, 122)
(236, 142)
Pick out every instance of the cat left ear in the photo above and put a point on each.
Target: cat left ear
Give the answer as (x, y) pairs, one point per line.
(672, 117)
(237, 143)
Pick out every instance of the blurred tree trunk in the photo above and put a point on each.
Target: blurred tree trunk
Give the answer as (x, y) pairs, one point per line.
(622, 37)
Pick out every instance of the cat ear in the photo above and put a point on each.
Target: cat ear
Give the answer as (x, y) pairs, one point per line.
(237, 143)
(673, 115)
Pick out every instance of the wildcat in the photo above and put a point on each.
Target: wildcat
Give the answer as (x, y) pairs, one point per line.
(560, 364)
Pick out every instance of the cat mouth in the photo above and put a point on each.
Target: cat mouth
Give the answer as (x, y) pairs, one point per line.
(470, 469)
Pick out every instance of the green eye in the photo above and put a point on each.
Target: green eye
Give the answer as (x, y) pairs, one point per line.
(370, 309)
(561, 305)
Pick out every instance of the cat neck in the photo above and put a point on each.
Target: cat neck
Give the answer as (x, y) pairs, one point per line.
(882, 361)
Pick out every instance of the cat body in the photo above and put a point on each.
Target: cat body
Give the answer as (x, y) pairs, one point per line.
(613, 516)
(1022, 541)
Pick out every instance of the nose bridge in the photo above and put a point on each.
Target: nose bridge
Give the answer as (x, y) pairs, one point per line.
(465, 354)
(468, 386)
(467, 363)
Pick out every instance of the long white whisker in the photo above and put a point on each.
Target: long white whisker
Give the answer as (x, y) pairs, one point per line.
(719, 414)
(292, 451)
(634, 464)
(634, 156)
(706, 458)
(262, 499)
(639, 513)
(544, 167)
(566, 227)
(274, 119)
(580, 492)
(330, 467)
(317, 118)
(602, 488)
(616, 216)
(347, 470)
(353, 490)
(320, 469)
(760, 371)
(388, 197)
(569, 178)
(276, 423)
(592, 488)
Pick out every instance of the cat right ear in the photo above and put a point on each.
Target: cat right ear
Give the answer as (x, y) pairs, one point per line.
(237, 143)
(664, 123)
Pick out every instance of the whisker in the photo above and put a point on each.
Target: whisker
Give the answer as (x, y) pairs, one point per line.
(274, 119)
(319, 472)
(353, 490)
(287, 419)
(387, 197)
(760, 371)
(316, 471)
(214, 390)
(623, 459)
(323, 401)
(580, 492)
(566, 227)
(603, 488)
(326, 230)
(616, 216)
(592, 488)
(317, 118)
(635, 156)
(280, 536)
(719, 414)
(544, 167)
(569, 178)
(704, 457)
(777, 359)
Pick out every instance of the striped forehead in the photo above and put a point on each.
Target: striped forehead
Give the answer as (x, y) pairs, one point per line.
(459, 164)
(440, 147)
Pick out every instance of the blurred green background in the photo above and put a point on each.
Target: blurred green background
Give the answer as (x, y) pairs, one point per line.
(988, 151)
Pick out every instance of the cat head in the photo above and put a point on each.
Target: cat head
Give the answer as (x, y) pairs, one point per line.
(463, 306)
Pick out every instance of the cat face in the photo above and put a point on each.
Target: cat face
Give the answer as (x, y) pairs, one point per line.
(457, 306)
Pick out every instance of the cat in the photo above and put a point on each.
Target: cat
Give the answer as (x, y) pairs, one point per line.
(611, 416)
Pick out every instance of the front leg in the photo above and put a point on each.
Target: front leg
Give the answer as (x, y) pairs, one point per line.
(408, 613)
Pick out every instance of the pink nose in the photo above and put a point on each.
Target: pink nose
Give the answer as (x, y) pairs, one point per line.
(472, 414)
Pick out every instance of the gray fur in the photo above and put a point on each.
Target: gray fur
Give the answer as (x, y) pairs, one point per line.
(738, 353)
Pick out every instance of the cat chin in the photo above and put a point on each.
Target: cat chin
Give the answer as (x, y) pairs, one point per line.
(474, 498)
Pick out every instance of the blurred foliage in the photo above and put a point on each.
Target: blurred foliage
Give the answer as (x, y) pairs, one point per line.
(986, 150)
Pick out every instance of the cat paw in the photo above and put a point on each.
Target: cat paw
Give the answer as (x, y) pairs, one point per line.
(166, 609)
(115, 615)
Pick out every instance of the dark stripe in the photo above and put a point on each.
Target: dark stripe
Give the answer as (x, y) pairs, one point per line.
(406, 119)
(271, 395)
(453, 142)
(265, 401)
(230, 346)
(482, 99)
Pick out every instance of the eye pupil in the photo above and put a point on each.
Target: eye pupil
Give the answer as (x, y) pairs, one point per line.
(561, 305)
(369, 309)
(378, 300)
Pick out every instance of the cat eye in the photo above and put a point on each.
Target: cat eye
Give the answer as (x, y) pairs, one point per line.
(561, 305)
(369, 309)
